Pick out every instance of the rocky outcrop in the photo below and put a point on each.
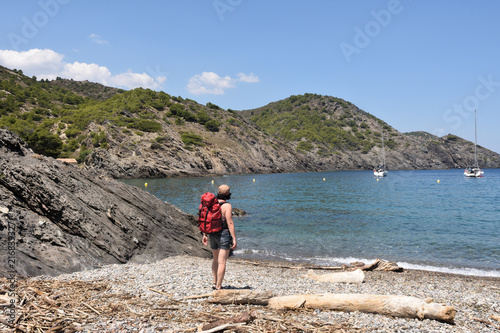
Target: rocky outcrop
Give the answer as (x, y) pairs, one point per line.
(238, 151)
(223, 155)
(56, 218)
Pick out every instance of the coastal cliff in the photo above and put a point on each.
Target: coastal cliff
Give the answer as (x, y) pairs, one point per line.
(56, 218)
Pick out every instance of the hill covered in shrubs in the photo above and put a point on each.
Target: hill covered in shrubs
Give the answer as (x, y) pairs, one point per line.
(145, 133)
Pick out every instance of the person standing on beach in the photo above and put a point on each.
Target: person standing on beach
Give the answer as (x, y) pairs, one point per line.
(224, 241)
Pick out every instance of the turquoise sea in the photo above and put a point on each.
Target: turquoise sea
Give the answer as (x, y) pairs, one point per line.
(428, 219)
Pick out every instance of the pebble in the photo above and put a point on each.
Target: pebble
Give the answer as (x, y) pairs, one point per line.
(474, 298)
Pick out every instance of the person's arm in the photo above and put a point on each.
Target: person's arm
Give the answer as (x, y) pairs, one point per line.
(230, 225)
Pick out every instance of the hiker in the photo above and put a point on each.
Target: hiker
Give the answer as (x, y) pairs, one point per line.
(223, 241)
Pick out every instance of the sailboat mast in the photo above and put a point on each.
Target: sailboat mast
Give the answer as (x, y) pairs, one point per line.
(383, 149)
(475, 140)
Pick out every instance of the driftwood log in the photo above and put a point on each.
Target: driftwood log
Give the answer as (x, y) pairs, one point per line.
(395, 306)
(357, 276)
(240, 296)
(381, 265)
(224, 323)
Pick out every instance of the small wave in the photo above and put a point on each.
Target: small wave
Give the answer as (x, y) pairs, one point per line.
(406, 265)
(264, 254)
(333, 261)
(452, 270)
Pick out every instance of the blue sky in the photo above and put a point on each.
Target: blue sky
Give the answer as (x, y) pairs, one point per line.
(418, 65)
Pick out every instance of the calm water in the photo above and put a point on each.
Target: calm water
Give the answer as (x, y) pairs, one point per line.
(332, 218)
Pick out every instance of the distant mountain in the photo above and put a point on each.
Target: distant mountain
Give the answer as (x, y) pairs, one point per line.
(143, 133)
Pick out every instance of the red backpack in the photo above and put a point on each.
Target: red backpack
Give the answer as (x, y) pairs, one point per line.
(209, 214)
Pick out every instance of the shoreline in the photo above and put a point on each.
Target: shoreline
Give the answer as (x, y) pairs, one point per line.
(151, 297)
(466, 271)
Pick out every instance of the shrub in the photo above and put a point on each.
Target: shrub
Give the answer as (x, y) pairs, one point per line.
(175, 110)
(144, 125)
(212, 125)
(72, 145)
(191, 139)
(213, 106)
(99, 139)
(203, 117)
(304, 146)
(84, 152)
(72, 132)
(45, 143)
(233, 121)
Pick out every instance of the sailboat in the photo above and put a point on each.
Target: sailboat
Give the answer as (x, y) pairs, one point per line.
(380, 170)
(474, 171)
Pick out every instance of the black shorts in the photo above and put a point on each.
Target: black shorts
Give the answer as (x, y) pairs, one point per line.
(221, 240)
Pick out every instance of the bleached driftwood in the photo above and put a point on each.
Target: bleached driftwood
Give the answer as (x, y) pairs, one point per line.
(376, 265)
(381, 265)
(242, 318)
(5, 300)
(356, 276)
(396, 306)
(240, 296)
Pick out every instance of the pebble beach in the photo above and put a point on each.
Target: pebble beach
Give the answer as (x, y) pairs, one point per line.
(171, 296)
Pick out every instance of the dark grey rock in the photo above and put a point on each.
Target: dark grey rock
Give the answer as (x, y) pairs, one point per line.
(238, 212)
(56, 218)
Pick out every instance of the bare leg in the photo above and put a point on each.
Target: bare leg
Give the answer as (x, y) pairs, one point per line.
(215, 264)
(221, 269)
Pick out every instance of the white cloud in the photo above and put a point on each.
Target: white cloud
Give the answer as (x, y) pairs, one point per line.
(32, 61)
(98, 39)
(48, 64)
(212, 83)
(250, 78)
(80, 71)
(209, 83)
(130, 79)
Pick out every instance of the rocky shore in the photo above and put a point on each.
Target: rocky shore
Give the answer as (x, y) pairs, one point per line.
(165, 297)
(56, 218)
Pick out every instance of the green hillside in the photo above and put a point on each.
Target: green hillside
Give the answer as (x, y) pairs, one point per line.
(327, 123)
(145, 133)
(55, 120)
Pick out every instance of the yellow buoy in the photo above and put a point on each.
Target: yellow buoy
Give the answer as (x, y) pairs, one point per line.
(146, 184)
(212, 181)
(323, 179)
(377, 179)
(254, 180)
(438, 180)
